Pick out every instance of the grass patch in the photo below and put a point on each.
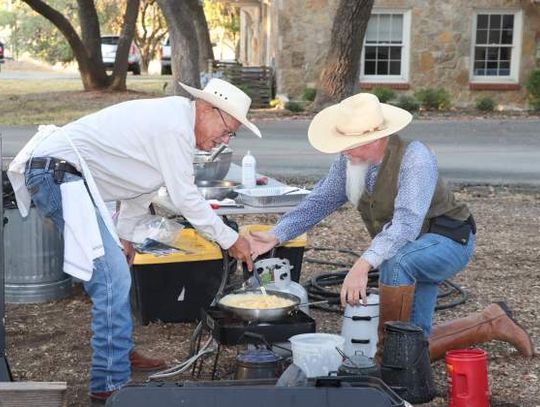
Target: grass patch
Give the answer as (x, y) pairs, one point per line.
(33, 102)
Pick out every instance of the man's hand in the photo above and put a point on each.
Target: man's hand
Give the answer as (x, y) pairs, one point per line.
(241, 250)
(355, 284)
(129, 251)
(261, 242)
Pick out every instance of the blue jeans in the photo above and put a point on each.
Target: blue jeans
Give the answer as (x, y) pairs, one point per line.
(426, 262)
(108, 288)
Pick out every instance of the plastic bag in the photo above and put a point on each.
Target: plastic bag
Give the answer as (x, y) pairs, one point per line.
(157, 228)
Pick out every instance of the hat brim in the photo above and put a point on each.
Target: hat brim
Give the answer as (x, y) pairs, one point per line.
(221, 105)
(323, 135)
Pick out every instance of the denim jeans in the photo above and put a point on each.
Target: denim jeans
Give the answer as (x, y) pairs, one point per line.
(108, 289)
(426, 262)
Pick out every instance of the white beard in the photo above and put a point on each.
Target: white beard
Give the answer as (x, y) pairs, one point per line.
(356, 181)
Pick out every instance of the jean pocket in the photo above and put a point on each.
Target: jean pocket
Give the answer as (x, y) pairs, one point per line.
(45, 193)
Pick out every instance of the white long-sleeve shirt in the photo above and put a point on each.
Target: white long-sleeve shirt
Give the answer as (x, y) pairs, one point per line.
(134, 148)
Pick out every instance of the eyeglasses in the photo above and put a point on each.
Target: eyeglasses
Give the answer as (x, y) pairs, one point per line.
(229, 133)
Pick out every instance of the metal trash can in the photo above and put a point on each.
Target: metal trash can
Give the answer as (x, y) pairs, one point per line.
(33, 255)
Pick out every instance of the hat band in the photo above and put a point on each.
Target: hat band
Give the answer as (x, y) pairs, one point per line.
(361, 133)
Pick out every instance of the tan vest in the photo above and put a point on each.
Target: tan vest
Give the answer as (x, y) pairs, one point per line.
(377, 209)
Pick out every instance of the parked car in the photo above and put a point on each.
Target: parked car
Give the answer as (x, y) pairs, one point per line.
(166, 57)
(1, 52)
(109, 45)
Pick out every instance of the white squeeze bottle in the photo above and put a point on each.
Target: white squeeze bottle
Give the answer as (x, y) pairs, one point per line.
(248, 171)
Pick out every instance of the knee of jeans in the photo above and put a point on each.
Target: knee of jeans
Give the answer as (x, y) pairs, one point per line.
(394, 271)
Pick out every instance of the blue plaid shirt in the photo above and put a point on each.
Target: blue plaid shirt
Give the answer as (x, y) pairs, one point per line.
(416, 184)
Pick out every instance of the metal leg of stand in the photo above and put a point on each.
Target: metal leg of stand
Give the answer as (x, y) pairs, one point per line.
(197, 349)
(214, 368)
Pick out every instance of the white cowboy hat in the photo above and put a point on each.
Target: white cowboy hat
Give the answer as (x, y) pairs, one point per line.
(355, 121)
(226, 97)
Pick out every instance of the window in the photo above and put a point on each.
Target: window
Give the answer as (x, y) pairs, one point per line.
(385, 54)
(497, 46)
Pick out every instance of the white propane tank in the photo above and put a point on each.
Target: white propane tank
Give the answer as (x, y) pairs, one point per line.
(359, 327)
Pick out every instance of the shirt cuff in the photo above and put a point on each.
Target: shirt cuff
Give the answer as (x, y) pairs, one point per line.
(227, 238)
(280, 235)
(372, 258)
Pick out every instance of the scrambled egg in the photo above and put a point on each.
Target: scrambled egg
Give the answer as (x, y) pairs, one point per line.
(255, 301)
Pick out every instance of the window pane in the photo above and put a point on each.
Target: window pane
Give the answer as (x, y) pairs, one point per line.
(396, 35)
(371, 32)
(384, 28)
(495, 21)
(371, 53)
(508, 21)
(492, 54)
(482, 21)
(382, 67)
(481, 36)
(506, 37)
(505, 53)
(479, 68)
(395, 52)
(395, 68)
(383, 52)
(480, 53)
(504, 68)
(369, 68)
(494, 36)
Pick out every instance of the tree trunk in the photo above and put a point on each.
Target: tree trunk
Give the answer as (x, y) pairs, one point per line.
(184, 47)
(124, 45)
(339, 75)
(93, 73)
(203, 35)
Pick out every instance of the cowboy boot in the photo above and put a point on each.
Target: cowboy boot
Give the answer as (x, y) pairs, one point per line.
(142, 363)
(395, 304)
(494, 322)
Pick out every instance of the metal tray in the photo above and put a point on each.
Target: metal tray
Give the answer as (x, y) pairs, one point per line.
(271, 196)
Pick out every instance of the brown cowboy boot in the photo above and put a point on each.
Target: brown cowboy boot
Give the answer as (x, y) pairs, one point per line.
(494, 322)
(142, 363)
(395, 304)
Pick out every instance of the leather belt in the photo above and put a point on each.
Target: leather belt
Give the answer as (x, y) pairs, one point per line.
(51, 163)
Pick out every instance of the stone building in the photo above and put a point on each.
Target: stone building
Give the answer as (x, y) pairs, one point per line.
(472, 49)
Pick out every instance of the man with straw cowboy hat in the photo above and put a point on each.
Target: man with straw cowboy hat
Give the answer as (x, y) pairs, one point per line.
(125, 153)
(421, 234)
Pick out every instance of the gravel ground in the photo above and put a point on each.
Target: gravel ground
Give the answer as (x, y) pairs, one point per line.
(50, 342)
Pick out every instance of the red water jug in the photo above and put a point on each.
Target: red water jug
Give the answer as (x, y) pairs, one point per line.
(467, 378)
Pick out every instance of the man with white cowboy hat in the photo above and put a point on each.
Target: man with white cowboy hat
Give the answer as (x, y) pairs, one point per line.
(421, 234)
(125, 153)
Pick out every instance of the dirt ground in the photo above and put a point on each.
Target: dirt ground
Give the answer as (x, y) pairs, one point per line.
(50, 342)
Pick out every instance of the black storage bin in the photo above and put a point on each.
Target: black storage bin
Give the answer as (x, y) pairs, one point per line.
(174, 287)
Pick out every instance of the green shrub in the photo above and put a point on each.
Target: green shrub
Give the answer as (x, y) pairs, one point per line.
(384, 94)
(485, 104)
(433, 99)
(309, 94)
(409, 103)
(533, 87)
(294, 107)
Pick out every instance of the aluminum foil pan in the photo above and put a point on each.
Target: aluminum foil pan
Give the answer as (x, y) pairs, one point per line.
(271, 196)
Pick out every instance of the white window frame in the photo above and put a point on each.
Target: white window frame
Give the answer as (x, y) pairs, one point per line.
(515, 57)
(405, 52)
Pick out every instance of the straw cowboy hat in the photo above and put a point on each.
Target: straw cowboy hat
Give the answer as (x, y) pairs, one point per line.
(226, 97)
(355, 121)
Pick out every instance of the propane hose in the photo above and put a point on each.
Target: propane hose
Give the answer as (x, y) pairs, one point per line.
(318, 286)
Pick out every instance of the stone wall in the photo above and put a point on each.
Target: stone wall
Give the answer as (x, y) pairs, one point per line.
(441, 37)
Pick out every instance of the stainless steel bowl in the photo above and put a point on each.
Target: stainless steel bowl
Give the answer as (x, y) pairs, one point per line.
(216, 189)
(212, 170)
